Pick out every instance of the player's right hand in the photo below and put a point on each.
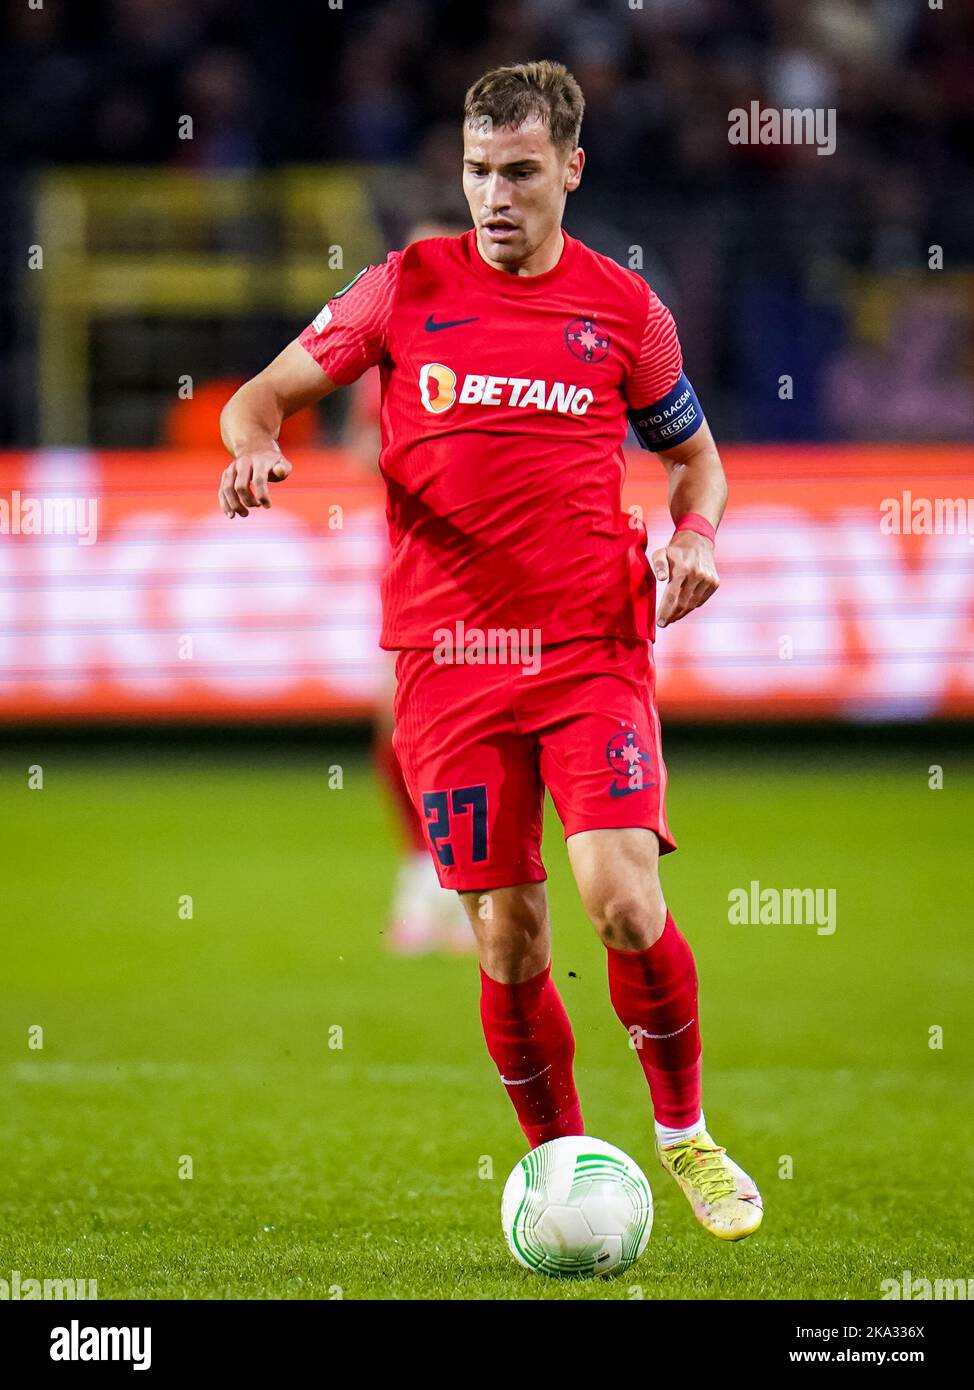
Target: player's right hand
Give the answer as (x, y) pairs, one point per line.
(245, 480)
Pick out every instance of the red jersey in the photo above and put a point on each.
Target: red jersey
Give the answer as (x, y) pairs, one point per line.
(504, 403)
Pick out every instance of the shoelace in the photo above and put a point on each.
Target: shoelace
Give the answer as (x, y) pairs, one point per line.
(701, 1163)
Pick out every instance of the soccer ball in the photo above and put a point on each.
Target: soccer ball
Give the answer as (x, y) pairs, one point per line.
(577, 1206)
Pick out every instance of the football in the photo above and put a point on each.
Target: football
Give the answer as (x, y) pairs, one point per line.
(577, 1207)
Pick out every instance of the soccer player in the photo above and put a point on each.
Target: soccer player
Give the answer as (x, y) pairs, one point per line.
(520, 596)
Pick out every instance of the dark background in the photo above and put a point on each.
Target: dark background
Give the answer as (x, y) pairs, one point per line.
(765, 253)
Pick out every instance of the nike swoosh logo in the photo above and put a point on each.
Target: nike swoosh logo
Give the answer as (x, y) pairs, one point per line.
(676, 1031)
(627, 791)
(526, 1079)
(432, 326)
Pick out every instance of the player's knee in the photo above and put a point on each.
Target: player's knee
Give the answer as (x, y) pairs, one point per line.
(513, 933)
(630, 920)
(512, 959)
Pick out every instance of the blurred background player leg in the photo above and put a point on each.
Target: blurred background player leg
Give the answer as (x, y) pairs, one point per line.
(423, 916)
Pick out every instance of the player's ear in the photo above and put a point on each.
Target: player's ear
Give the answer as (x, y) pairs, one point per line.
(573, 170)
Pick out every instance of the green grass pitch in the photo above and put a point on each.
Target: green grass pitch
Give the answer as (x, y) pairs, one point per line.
(375, 1170)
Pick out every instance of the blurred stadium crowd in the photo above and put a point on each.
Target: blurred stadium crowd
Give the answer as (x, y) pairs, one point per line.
(775, 259)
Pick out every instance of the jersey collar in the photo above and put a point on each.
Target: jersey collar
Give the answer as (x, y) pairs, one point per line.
(518, 285)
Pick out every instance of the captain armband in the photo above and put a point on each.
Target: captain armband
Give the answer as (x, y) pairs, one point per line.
(668, 421)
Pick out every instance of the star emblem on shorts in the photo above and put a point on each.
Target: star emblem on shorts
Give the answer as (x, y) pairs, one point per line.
(630, 763)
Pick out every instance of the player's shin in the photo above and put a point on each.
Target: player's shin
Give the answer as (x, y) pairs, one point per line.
(654, 994)
(529, 1038)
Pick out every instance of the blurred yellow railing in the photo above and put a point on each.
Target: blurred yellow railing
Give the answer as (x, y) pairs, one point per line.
(158, 242)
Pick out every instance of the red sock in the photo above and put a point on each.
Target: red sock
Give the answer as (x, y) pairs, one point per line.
(654, 993)
(530, 1040)
(387, 766)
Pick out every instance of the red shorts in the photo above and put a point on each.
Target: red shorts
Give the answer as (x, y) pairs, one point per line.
(478, 744)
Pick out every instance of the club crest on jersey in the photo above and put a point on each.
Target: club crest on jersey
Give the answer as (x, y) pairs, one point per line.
(437, 387)
(629, 762)
(586, 340)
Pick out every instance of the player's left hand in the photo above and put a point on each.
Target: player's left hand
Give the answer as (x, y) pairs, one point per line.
(686, 566)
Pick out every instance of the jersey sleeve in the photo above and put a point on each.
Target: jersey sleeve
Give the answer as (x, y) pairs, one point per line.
(663, 408)
(660, 363)
(351, 332)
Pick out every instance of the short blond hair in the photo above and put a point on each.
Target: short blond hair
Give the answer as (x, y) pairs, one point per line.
(509, 96)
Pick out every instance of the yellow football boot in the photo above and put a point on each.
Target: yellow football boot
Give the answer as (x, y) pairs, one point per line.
(724, 1199)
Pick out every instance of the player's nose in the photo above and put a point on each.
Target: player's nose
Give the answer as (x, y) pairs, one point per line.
(497, 197)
